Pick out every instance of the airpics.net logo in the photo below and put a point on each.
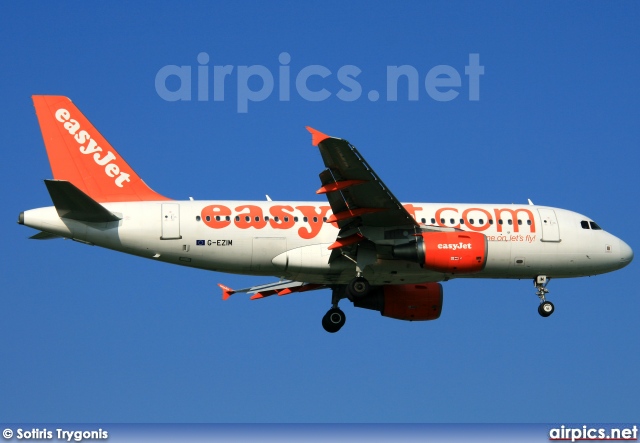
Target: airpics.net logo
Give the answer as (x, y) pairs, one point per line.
(313, 83)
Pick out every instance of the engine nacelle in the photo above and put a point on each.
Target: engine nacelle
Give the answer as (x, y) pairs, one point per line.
(404, 302)
(449, 252)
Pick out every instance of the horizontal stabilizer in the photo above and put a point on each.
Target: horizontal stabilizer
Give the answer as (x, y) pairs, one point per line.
(44, 236)
(72, 203)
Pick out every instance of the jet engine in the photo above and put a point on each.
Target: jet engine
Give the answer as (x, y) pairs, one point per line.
(449, 252)
(404, 302)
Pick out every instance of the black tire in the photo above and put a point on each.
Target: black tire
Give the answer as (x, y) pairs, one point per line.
(358, 287)
(546, 309)
(333, 320)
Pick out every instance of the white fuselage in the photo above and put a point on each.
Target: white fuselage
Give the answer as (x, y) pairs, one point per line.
(291, 240)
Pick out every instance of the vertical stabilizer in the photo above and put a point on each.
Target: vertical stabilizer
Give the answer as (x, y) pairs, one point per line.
(78, 153)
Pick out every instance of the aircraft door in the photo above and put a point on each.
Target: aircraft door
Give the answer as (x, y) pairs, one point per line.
(170, 221)
(549, 222)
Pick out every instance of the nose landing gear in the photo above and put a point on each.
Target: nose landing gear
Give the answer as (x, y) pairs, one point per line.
(546, 308)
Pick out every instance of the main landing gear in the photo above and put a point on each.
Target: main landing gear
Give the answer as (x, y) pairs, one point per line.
(546, 308)
(358, 287)
(334, 319)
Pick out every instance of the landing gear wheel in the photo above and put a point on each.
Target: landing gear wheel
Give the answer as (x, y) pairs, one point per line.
(546, 308)
(333, 320)
(359, 287)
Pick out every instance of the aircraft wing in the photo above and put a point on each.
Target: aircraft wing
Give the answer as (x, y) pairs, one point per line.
(355, 192)
(282, 287)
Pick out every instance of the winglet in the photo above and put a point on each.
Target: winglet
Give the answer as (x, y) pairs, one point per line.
(226, 291)
(316, 136)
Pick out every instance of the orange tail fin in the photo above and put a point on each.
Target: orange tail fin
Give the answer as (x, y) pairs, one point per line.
(80, 154)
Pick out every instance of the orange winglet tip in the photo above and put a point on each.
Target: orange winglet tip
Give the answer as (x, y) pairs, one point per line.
(316, 136)
(226, 291)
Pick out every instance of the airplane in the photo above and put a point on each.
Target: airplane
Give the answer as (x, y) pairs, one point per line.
(362, 243)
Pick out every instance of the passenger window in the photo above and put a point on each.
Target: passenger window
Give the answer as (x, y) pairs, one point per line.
(208, 218)
(286, 219)
(237, 218)
(529, 222)
(315, 219)
(247, 218)
(197, 218)
(500, 221)
(442, 221)
(520, 222)
(423, 220)
(257, 218)
(452, 221)
(295, 219)
(433, 221)
(266, 218)
(304, 219)
(217, 218)
(490, 221)
(481, 221)
(324, 219)
(510, 222)
(462, 221)
(276, 218)
(470, 221)
(595, 226)
(584, 224)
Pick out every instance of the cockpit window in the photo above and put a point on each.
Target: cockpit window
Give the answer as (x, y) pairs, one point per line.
(584, 224)
(595, 226)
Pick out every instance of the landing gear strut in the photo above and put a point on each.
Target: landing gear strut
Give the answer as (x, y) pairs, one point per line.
(359, 287)
(546, 308)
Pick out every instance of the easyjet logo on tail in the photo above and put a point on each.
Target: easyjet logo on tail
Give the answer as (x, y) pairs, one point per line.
(107, 160)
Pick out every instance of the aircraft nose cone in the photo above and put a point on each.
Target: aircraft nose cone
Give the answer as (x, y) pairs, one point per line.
(626, 253)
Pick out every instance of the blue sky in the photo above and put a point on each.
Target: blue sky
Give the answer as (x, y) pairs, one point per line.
(90, 335)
